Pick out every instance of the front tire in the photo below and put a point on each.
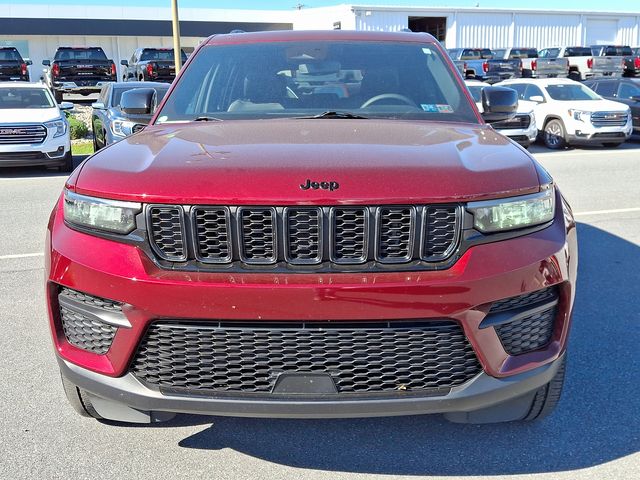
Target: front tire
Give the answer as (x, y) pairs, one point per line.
(67, 166)
(547, 397)
(554, 135)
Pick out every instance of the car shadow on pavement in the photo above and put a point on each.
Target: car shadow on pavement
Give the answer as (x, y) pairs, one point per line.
(39, 172)
(596, 421)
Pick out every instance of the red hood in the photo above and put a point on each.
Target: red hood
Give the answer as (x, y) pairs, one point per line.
(265, 162)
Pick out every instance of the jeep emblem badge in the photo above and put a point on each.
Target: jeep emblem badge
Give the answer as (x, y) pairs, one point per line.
(323, 185)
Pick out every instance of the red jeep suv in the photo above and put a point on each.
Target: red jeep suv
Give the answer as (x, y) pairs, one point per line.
(315, 224)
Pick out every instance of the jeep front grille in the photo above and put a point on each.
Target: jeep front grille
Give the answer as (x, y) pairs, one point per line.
(360, 358)
(339, 236)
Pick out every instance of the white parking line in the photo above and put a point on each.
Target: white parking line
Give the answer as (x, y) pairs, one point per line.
(608, 212)
(585, 153)
(21, 255)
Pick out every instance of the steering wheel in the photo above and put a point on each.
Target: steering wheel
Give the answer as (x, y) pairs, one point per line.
(395, 96)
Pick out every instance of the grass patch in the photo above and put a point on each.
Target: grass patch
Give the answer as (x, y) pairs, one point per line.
(82, 148)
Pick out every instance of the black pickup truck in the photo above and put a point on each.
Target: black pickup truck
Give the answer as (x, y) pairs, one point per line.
(151, 65)
(81, 70)
(12, 66)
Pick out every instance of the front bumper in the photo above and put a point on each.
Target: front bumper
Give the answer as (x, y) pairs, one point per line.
(524, 137)
(462, 293)
(583, 133)
(51, 152)
(81, 86)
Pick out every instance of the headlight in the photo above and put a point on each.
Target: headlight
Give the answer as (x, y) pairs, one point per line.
(515, 212)
(99, 213)
(59, 127)
(122, 128)
(580, 115)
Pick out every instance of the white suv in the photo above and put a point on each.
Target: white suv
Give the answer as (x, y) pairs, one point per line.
(33, 129)
(569, 113)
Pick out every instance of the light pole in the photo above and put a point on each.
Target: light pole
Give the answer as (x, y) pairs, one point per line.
(177, 51)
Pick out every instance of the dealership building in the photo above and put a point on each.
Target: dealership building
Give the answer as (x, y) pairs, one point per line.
(37, 30)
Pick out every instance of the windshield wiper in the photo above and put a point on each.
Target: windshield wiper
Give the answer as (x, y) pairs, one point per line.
(204, 118)
(335, 114)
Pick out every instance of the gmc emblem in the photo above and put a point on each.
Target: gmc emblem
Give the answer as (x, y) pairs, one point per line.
(12, 131)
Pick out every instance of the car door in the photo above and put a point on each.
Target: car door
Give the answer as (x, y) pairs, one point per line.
(627, 91)
(99, 116)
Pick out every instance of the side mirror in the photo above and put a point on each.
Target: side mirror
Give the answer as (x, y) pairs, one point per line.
(66, 106)
(46, 63)
(636, 98)
(28, 62)
(499, 104)
(537, 98)
(138, 101)
(124, 62)
(98, 106)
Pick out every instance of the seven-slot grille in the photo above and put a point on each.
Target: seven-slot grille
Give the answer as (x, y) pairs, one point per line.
(304, 235)
(609, 119)
(361, 358)
(22, 134)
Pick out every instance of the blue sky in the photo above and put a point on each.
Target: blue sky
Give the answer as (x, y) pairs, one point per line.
(609, 5)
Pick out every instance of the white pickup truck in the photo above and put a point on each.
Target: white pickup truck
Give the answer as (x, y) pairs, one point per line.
(583, 64)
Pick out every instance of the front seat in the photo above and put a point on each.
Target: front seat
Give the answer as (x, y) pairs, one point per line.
(261, 92)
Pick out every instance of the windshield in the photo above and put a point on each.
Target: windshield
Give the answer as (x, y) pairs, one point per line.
(568, 92)
(10, 54)
(117, 93)
(476, 92)
(25, 98)
(80, 54)
(164, 55)
(293, 79)
(577, 52)
(523, 53)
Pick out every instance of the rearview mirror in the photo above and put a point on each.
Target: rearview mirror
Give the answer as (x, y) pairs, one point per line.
(499, 104)
(138, 101)
(46, 63)
(28, 62)
(66, 106)
(97, 106)
(124, 62)
(537, 99)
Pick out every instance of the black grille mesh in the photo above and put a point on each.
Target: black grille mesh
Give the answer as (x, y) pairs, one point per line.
(258, 235)
(303, 234)
(395, 235)
(212, 234)
(166, 229)
(539, 296)
(528, 334)
(350, 234)
(372, 358)
(83, 331)
(441, 231)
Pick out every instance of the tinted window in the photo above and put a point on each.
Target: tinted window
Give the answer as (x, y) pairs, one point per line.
(606, 89)
(10, 54)
(577, 52)
(266, 80)
(25, 98)
(628, 90)
(612, 51)
(533, 91)
(164, 55)
(476, 92)
(523, 53)
(550, 53)
(569, 91)
(80, 54)
(518, 87)
(117, 93)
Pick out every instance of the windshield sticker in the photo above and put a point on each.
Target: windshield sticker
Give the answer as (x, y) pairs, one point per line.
(429, 107)
(444, 109)
(426, 51)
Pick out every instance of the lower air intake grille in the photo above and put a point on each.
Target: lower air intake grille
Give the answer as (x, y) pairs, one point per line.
(85, 331)
(360, 358)
(528, 334)
(539, 296)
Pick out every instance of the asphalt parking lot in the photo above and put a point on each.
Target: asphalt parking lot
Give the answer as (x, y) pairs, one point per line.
(595, 433)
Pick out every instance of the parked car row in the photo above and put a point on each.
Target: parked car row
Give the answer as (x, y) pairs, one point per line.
(574, 62)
